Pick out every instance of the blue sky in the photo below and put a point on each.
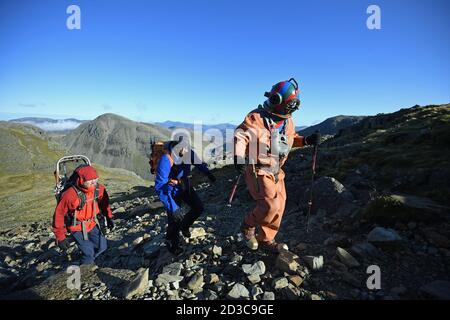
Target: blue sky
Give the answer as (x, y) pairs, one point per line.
(213, 60)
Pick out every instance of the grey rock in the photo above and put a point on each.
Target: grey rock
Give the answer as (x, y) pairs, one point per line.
(268, 296)
(254, 278)
(236, 258)
(216, 250)
(280, 283)
(198, 232)
(238, 291)
(346, 258)
(381, 235)
(330, 194)
(189, 264)
(138, 240)
(287, 262)
(196, 282)
(258, 268)
(138, 285)
(211, 295)
(119, 210)
(314, 262)
(166, 279)
(173, 269)
(175, 285)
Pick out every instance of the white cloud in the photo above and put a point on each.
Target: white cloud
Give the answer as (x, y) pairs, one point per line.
(59, 125)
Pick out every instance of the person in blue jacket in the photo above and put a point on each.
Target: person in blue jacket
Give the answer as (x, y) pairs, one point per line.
(173, 188)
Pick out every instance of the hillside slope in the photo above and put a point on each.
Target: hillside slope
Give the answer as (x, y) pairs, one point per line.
(332, 125)
(116, 142)
(27, 160)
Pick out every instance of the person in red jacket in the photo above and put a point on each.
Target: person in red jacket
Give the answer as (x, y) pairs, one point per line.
(77, 212)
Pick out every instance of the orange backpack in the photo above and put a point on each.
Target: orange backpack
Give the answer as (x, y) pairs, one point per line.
(157, 150)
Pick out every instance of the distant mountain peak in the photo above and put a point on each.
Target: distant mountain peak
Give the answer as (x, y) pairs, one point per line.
(331, 126)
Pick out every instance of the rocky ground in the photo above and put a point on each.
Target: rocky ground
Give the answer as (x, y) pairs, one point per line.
(328, 262)
(380, 199)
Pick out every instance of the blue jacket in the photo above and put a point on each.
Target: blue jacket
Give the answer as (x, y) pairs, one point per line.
(165, 172)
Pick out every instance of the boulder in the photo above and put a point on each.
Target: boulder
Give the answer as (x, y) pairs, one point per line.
(392, 208)
(329, 195)
(383, 236)
(138, 285)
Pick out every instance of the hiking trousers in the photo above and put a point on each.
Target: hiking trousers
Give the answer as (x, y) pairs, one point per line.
(270, 197)
(91, 248)
(176, 222)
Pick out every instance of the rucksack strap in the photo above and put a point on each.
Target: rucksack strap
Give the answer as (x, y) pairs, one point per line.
(271, 124)
(82, 198)
(95, 200)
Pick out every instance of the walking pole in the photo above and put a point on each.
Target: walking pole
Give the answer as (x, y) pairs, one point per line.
(314, 161)
(233, 191)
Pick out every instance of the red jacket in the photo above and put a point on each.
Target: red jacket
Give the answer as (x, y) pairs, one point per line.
(68, 204)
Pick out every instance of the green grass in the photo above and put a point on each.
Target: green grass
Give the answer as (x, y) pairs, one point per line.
(415, 141)
(29, 197)
(28, 160)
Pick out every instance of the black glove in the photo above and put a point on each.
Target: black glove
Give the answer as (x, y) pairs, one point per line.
(211, 177)
(63, 245)
(110, 224)
(239, 164)
(313, 139)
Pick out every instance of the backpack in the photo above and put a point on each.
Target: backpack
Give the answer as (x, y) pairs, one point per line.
(71, 183)
(158, 148)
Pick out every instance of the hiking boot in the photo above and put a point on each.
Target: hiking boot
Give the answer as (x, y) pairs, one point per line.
(250, 237)
(273, 246)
